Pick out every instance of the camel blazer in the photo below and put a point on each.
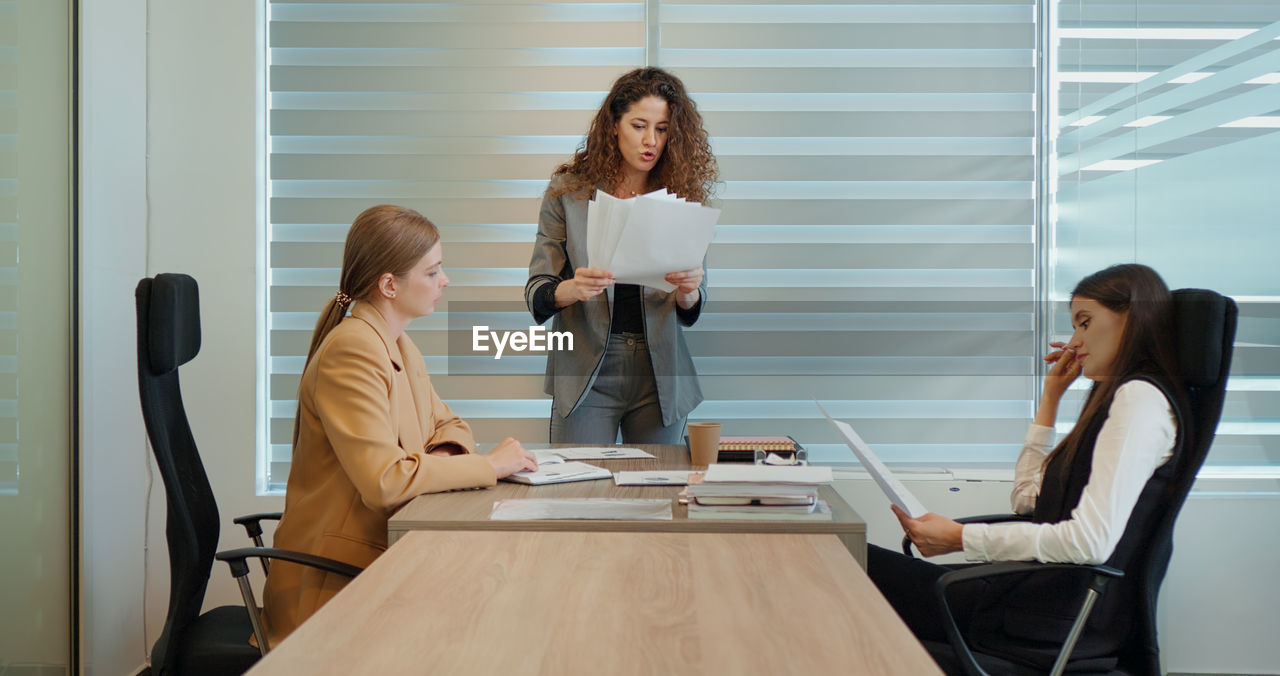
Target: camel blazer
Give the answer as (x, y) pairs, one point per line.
(367, 418)
(559, 249)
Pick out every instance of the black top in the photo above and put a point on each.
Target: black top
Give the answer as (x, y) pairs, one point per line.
(628, 317)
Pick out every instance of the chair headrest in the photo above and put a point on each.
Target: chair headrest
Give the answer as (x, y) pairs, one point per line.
(1200, 318)
(173, 322)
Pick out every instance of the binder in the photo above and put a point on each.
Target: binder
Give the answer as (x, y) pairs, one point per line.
(747, 448)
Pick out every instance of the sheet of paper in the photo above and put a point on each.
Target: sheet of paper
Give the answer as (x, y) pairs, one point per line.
(892, 487)
(643, 238)
(785, 474)
(606, 216)
(546, 456)
(595, 230)
(591, 453)
(652, 478)
(662, 236)
(628, 509)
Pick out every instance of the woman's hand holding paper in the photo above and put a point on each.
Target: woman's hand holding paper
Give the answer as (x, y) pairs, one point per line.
(586, 283)
(686, 283)
(931, 534)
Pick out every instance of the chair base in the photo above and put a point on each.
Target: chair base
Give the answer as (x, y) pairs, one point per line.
(216, 644)
(945, 656)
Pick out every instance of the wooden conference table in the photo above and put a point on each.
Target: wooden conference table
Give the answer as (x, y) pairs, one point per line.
(469, 510)
(476, 602)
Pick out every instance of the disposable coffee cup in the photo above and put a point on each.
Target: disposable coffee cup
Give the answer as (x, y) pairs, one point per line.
(704, 442)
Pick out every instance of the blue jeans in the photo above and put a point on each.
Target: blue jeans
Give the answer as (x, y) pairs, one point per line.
(623, 397)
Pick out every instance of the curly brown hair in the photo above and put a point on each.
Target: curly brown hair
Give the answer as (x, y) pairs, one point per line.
(686, 166)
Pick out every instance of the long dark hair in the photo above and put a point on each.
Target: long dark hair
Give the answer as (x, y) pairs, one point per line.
(1146, 344)
(686, 166)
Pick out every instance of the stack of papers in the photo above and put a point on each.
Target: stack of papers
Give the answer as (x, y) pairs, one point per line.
(759, 492)
(657, 477)
(643, 238)
(552, 455)
(756, 474)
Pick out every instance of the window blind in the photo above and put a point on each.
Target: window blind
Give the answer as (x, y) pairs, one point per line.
(876, 247)
(458, 110)
(1166, 138)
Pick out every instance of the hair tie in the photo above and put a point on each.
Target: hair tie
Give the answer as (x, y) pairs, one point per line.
(342, 298)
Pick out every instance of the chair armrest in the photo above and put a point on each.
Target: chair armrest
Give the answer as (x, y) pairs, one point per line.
(1000, 568)
(237, 559)
(993, 518)
(1101, 575)
(985, 518)
(253, 523)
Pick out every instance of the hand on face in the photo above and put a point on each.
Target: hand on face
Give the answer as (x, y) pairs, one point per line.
(1064, 369)
(686, 281)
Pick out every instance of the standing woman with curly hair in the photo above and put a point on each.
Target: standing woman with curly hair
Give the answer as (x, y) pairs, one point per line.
(629, 369)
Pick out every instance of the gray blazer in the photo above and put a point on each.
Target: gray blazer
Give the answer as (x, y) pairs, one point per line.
(561, 247)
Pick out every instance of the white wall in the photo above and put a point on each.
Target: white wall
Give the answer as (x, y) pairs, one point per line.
(203, 189)
(1220, 603)
(202, 183)
(112, 235)
(178, 85)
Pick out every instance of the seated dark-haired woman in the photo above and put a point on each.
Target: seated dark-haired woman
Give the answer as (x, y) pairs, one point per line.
(1080, 495)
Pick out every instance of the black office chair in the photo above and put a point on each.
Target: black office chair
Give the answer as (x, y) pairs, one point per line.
(215, 642)
(1205, 331)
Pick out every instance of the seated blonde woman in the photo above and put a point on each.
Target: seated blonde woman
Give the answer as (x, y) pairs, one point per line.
(371, 432)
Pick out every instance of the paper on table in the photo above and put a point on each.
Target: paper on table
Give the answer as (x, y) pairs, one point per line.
(652, 478)
(893, 489)
(773, 474)
(630, 509)
(552, 455)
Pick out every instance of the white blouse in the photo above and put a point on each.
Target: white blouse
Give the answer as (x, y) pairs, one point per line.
(1137, 437)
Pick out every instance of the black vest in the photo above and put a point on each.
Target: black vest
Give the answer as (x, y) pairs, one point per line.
(1024, 618)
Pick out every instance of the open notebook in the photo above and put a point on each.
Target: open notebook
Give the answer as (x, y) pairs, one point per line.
(552, 471)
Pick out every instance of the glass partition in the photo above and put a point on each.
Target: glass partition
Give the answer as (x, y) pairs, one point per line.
(35, 306)
(1167, 135)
